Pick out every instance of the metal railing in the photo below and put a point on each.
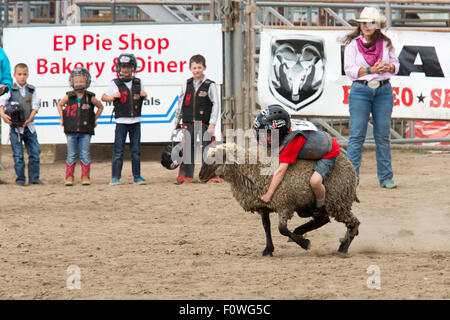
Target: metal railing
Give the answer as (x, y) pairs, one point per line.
(259, 14)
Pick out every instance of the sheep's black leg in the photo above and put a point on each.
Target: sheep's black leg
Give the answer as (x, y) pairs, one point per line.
(313, 224)
(282, 227)
(352, 232)
(266, 224)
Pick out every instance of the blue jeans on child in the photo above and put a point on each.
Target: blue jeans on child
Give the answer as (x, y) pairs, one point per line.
(34, 151)
(364, 101)
(135, 148)
(83, 140)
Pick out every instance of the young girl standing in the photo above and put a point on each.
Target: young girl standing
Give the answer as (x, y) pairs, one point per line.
(79, 121)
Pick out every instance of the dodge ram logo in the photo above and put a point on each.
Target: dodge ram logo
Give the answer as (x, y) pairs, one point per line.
(297, 73)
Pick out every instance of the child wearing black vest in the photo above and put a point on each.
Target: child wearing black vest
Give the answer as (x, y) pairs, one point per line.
(198, 107)
(18, 108)
(127, 96)
(79, 121)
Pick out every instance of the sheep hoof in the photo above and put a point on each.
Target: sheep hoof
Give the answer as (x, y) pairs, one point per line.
(267, 252)
(345, 244)
(305, 244)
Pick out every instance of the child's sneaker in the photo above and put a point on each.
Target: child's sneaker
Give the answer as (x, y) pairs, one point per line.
(140, 180)
(114, 182)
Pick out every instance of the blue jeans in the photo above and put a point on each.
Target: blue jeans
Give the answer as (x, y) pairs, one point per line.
(324, 166)
(83, 140)
(191, 145)
(364, 101)
(135, 148)
(33, 150)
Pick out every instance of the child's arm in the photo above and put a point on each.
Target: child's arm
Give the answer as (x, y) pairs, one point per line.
(3, 101)
(60, 104)
(5, 117)
(36, 104)
(178, 112)
(212, 93)
(143, 94)
(107, 98)
(30, 118)
(276, 180)
(99, 106)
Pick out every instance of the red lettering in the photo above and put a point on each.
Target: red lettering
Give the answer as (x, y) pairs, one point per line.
(56, 43)
(436, 98)
(172, 66)
(106, 45)
(71, 110)
(55, 68)
(395, 91)
(122, 38)
(113, 68)
(42, 66)
(146, 44)
(181, 65)
(66, 67)
(141, 64)
(162, 44)
(123, 96)
(70, 40)
(447, 99)
(78, 65)
(87, 40)
(135, 40)
(346, 94)
(407, 91)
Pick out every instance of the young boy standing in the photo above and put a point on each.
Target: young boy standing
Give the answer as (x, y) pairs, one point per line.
(198, 107)
(79, 121)
(309, 145)
(18, 108)
(127, 95)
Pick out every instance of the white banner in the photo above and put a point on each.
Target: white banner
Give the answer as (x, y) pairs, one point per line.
(162, 51)
(302, 70)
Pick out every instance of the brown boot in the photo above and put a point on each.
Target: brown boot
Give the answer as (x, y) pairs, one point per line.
(85, 173)
(69, 174)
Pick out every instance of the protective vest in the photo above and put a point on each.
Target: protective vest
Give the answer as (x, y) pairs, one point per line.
(197, 105)
(22, 104)
(318, 143)
(130, 103)
(79, 117)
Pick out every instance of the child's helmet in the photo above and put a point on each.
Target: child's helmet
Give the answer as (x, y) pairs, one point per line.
(126, 60)
(80, 72)
(273, 117)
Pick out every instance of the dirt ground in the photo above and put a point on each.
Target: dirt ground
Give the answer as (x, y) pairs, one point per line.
(163, 241)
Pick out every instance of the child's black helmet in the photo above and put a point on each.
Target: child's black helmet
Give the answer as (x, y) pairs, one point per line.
(80, 72)
(273, 117)
(126, 60)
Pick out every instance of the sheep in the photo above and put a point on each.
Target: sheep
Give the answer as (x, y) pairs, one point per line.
(294, 194)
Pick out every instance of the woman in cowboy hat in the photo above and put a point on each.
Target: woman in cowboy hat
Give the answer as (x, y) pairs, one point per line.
(370, 61)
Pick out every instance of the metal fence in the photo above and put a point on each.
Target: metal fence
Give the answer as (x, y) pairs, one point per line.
(244, 21)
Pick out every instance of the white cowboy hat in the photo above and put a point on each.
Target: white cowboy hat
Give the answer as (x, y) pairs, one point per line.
(372, 14)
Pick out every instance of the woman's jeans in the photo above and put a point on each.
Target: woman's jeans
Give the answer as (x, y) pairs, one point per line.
(364, 101)
(73, 141)
(135, 148)
(34, 151)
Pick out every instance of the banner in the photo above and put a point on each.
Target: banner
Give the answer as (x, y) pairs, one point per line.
(162, 52)
(303, 71)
